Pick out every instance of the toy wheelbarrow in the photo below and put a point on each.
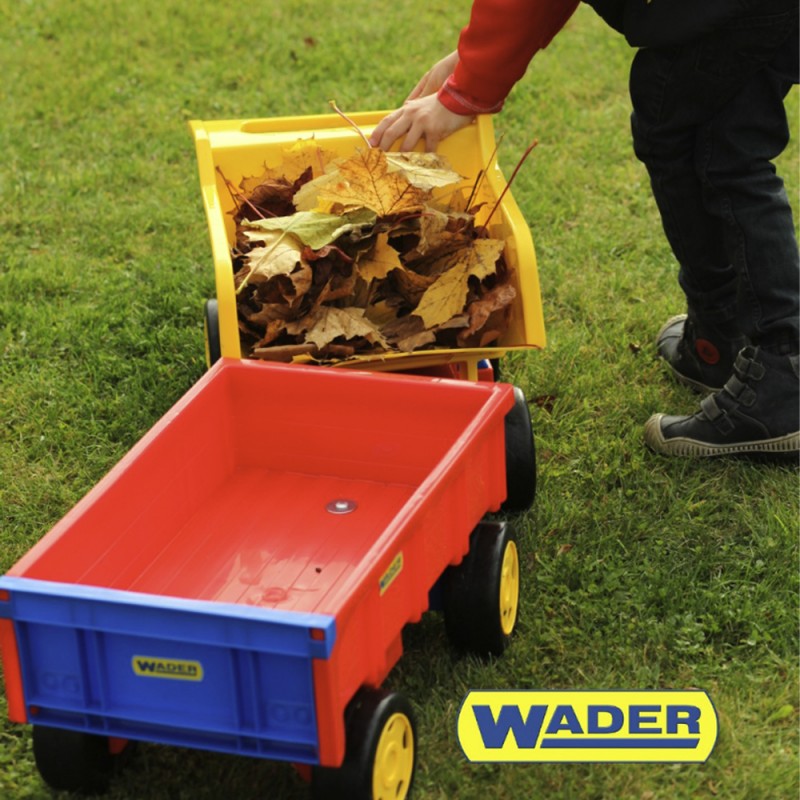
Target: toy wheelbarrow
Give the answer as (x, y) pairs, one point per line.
(230, 151)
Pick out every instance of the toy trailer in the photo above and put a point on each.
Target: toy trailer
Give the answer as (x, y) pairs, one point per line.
(239, 581)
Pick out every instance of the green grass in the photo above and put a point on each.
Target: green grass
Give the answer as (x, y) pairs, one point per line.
(640, 572)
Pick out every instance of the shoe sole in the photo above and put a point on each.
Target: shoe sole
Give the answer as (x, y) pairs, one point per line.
(668, 324)
(695, 386)
(788, 445)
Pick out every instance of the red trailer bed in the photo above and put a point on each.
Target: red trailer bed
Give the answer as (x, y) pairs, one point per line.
(249, 566)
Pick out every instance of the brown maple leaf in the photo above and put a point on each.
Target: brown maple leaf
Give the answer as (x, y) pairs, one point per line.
(328, 323)
(432, 225)
(408, 285)
(492, 307)
(339, 285)
(407, 333)
(446, 296)
(272, 330)
(268, 198)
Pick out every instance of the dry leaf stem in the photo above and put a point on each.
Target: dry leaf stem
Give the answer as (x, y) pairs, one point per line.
(482, 173)
(236, 195)
(350, 122)
(510, 180)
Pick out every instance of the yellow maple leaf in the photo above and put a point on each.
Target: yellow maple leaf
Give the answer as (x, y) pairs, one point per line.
(363, 181)
(446, 296)
(380, 314)
(307, 197)
(307, 152)
(380, 260)
(296, 160)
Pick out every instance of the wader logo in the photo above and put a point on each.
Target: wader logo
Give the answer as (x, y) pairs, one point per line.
(149, 667)
(655, 726)
(395, 568)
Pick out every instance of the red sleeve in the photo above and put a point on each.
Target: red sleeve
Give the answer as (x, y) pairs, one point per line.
(496, 47)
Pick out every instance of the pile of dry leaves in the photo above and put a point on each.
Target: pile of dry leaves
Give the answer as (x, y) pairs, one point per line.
(336, 257)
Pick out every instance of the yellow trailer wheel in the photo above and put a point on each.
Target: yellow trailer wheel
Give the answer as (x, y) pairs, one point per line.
(394, 759)
(381, 751)
(509, 588)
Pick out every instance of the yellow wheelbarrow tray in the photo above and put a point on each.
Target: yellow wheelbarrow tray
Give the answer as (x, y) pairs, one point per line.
(236, 149)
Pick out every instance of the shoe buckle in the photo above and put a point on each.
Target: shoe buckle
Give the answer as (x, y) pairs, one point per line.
(717, 416)
(747, 367)
(740, 391)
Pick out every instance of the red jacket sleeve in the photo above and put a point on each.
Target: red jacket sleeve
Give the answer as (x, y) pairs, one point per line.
(496, 47)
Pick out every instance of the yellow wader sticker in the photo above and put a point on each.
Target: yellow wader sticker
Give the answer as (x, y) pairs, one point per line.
(600, 726)
(176, 669)
(395, 568)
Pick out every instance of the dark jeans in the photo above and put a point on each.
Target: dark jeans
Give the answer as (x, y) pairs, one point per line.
(708, 120)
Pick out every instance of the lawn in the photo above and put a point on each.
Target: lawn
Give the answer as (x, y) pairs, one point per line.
(639, 572)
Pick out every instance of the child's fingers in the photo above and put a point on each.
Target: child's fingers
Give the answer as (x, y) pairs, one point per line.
(421, 89)
(388, 130)
(423, 118)
(433, 79)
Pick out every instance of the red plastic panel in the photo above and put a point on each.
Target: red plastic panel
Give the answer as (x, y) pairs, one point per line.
(227, 497)
(12, 675)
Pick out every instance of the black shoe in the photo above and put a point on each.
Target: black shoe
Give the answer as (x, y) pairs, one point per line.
(699, 355)
(756, 412)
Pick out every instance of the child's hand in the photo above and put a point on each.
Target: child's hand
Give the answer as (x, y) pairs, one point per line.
(420, 118)
(434, 78)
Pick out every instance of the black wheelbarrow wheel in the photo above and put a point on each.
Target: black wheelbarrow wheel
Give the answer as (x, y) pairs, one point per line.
(481, 594)
(381, 751)
(211, 332)
(73, 761)
(520, 456)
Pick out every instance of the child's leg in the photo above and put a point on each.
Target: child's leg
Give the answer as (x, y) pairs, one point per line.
(740, 187)
(708, 120)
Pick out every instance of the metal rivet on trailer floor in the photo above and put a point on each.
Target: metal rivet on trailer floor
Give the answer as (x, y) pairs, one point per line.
(341, 506)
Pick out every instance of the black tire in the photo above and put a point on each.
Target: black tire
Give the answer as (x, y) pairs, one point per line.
(72, 761)
(381, 751)
(481, 594)
(520, 457)
(211, 332)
